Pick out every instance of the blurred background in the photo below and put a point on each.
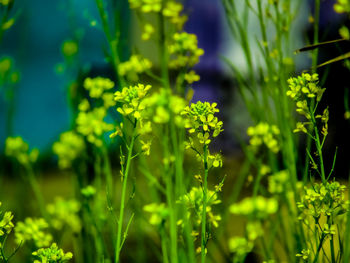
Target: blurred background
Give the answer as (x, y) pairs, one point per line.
(39, 106)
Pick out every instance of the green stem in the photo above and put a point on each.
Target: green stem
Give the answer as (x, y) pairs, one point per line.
(316, 33)
(122, 202)
(112, 40)
(36, 190)
(204, 212)
(164, 246)
(163, 54)
(319, 149)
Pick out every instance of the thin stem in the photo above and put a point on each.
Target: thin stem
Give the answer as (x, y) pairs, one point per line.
(112, 41)
(36, 190)
(204, 210)
(319, 149)
(122, 202)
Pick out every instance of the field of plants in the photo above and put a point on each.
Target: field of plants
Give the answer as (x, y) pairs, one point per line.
(156, 165)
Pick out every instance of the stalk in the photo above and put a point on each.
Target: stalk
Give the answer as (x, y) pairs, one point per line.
(112, 41)
(122, 202)
(36, 190)
(204, 212)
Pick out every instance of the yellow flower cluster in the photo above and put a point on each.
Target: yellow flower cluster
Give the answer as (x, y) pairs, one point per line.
(342, 6)
(240, 246)
(92, 125)
(161, 105)
(278, 182)
(304, 255)
(191, 77)
(131, 99)
(326, 200)
(301, 90)
(133, 67)
(97, 86)
(148, 30)
(184, 50)
(264, 134)
(146, 6)
(6, 224)
(65, 213)
(33, 229)
(194, 202)
(15, 147)
(70, 146)
(52, 254)
(201, 120)
(259, 207)
(172, 11)
(303, 87)
(159, 212)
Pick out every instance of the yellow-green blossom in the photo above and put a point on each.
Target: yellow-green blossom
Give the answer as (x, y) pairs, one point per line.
(15, 147)
(240, 246)
(194, 203)
(131, 99)
(161, 105)
(148, 30)
(172, 11)
(159, 213)
(133, 67)
(264, 134)
(52, 254)
(97, 86)
(89, 191)
(65, 213)
(69, 48)
(191, 77)
(202, 122)
(254, 230)
(304, 255)
(145, 147)
(84, 105)
(305, 86)
(70, 146)
(259, 207)
(278, 182)
(344, 32)
(92, 125)
(342, 6)
(327, 200)
(184, 50)
(33, 229)
(6, 224)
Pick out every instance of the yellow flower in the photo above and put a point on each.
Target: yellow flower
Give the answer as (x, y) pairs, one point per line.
(148, 30)
(131, 99)
(133, 67)
(97, 86)
(191, 77)
(15, 147)
(70, 146)
(184, 50)
(91, 124)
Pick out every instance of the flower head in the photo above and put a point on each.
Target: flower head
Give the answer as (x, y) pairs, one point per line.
(52, 254)
(15, 147)
(70, 146)
(202, 121)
